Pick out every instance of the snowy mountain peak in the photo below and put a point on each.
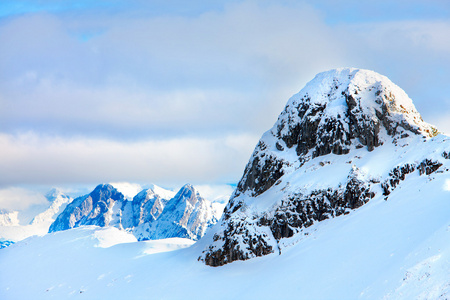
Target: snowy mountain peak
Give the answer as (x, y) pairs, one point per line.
(345, 108)
(105, 190)
(186, 215)
(163, 193)
(188, 193)
(95, 208)
(338, 111)
(348, 137)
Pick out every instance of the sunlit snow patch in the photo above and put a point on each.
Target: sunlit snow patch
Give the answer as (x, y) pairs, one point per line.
(129, 190)
(110, 236)
(166, 245)
(447, 185)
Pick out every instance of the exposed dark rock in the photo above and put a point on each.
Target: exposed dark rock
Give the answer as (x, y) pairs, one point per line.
(235, 236)
(300, 211)
(260, 174)
(395, 176)
(428, 166)
(399, 173)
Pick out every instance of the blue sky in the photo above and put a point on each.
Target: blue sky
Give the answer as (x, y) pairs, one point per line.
(169, 93)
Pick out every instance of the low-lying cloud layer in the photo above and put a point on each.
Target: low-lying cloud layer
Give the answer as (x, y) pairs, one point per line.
(48, 160)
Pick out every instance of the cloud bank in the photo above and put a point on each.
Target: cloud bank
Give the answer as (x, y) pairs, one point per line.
(33, 159)
(142, 93)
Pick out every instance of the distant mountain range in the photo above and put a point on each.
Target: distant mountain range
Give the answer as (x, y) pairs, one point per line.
(154, 213)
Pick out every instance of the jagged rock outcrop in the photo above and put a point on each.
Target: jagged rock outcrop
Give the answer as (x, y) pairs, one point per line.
(150, 215)
(321, 160)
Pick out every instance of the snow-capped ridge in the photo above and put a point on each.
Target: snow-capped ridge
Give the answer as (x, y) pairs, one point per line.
(11, 228)
(348, 137)
(186, 215)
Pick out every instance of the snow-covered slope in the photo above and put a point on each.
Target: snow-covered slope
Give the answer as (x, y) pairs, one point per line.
(350, 136)
(151, 214)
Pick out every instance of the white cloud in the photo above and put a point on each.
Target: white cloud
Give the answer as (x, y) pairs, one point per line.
(215, 73)
(33, 159)
(172, 99)
(15, 198)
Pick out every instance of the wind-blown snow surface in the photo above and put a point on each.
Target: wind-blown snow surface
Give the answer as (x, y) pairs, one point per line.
(397, 249)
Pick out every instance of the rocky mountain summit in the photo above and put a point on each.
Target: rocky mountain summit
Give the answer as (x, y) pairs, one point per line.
(154, 213)
(348, 137)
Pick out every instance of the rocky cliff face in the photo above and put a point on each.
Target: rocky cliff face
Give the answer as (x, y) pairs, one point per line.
(150, 215)
(350, 135)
